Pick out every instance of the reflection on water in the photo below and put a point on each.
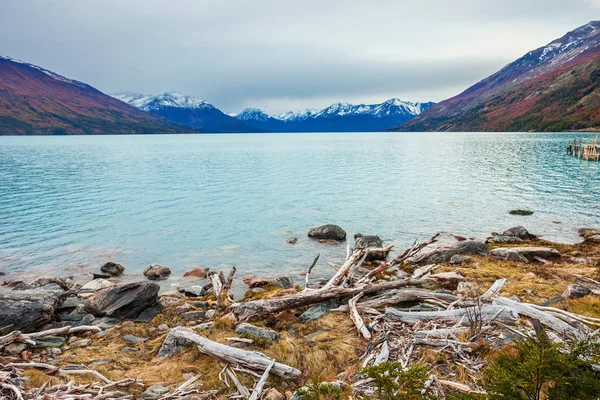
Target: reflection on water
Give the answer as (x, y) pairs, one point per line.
(221, 200)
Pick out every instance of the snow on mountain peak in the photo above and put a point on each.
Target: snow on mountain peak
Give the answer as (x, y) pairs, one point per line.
(252, 114)
(167, 99)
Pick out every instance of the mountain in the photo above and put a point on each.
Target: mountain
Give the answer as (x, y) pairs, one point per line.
(338, 117)
(34, 100)
(185, 110)
(553, 88)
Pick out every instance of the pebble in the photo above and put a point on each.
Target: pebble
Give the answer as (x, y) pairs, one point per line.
(81, 343)
(154, 391)
(183, 308)
(134, 339)
(163, 327)
(128, 324)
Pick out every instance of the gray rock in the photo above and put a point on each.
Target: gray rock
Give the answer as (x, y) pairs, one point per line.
(444, 252)
(505, 239)
(154, 391)
(458, 259)
(519, 232)
(28, 310)
(148, 314)
(465, 288)
(204, 326)
(210, 314)
(328, 232)
(64, 283)
(157, 272)
(246, 329)
(129, 350)
(183, 308)
(70, 302)
(56, 351)
(97, 284)
(191, 315)
(284, 282)
(508, 254)
(123, 301)
(194, 290)
(369, 242)
(50, 341)
(576, 292)
(80, 343)
(134, 339)
(529, 253)
(579, 260)
(112, 269)
(15, 348)
(318, 310)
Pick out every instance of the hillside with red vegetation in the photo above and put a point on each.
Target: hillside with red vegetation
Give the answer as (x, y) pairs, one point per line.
(37, 101)
(553, 88)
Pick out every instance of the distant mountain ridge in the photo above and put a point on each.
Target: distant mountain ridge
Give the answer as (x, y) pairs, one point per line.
(555, 87)
(338, 117)
(185, 110)
(34, 100)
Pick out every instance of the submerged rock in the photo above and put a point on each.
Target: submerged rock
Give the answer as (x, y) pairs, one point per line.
(520, 212)
(246, 329)
(112, 269)
(123, 301)
(28, 310)
(195, 273)
(328, 232)
(157, 272)
(444, 252)
(518, 231)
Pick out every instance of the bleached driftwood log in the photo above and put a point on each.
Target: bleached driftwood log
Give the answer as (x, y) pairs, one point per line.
(17, 336)
(356, 318)
(244, 358)
(459, 316)
(257, 308)
(401, 295)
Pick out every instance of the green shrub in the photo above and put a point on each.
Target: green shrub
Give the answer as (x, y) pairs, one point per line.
(535, 369)
(320, 391)
(393, 382)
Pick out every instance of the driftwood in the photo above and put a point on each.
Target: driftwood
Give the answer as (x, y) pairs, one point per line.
(589, 283)
(259, 386)
(337, 277)
(310, 270)
(257, 308)
(17, 336)
(393, 297)
(244, 358)
(459, 316)
(356, 318)
(217, 288)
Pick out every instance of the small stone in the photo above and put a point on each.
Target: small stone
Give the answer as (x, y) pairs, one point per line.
(50, 341)
(56, 351)
(284, 282)
(195, 273)
(157, 272)
(204, 326)
(154, 391)
(163, 327)
(151, 329)
(272, 394)
(134, 339)
(129, 350)
(210, 314)
(258, 290)
(286, 292)
(246, 329)
(183, 308)
(112, 268)
(15, 348)
(190, 315)
(97, 284)
(81, 343)
(458, 259)
(128, 324)
(465, 288)
(576, 292)
(193, 291)
(579, 260)
(318, 310)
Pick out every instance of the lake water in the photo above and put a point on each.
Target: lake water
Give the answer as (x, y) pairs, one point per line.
(69, 204)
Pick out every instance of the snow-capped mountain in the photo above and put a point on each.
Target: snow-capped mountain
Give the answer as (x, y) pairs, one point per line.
(338, 117)
(186, 110)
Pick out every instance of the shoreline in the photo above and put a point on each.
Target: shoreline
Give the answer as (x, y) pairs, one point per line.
(123, 335)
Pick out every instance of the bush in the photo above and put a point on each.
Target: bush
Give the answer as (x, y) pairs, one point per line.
(320, 391)
(393, 382)
(535, 368)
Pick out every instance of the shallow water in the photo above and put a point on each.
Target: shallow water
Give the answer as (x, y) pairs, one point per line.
(69, 204)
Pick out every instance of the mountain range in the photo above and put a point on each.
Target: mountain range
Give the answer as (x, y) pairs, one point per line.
(339, 117)
(34, 100)
(553, 88)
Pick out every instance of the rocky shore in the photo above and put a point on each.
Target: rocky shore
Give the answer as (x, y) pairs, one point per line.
(434, 304)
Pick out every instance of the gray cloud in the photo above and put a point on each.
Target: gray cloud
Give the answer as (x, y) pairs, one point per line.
(282, 55)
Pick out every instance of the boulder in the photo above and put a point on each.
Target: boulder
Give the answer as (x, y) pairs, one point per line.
(318, 310)
(369, 242)
(576, 292)
(529, 253)
(444, 252)
(29, 309)
(284, 282)
(327, 232)
(192, 291)
(196, 273)
(157, 272)
(97, 284)
(112, 269)
(256, 282)
(64, 283)
(508, 254)
(519, 232)
(123, 301)
(504, 239)
(458, 259)
(246, 329)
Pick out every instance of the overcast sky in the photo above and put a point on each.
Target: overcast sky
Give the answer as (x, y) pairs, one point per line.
(282, 55)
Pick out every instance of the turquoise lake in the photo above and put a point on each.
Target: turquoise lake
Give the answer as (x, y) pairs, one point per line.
(69, 204)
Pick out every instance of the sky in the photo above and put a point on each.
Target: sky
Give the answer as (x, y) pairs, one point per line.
(282, 55)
